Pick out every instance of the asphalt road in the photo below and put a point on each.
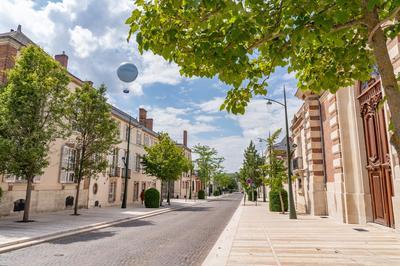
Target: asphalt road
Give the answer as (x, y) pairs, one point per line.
(182, 237)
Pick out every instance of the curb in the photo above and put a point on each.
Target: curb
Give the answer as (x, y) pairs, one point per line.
(219, 253)
(82, 229)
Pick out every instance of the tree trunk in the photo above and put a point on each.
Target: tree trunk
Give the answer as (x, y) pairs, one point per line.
(168, 196)
(77, 197)
(28, 199)
(264, 191)
(79, 181)
(161, 194)
(388, 78)
(281, 200)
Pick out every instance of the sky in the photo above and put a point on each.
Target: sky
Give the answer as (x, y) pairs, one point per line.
(93, 34)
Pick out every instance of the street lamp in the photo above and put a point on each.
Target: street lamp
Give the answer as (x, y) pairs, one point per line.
(292, 210)
(260, 140)
(127, 72)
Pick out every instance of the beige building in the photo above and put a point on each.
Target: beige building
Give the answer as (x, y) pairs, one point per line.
(108, 189)
(344, 163)
(56, 188)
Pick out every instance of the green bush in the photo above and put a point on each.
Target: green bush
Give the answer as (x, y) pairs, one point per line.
(152, 198)
(250, 195)
(216, 193)
(201, 194)
(275, 202)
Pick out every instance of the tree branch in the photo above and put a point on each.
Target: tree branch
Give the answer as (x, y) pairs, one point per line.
(390, 17)
(348, 24)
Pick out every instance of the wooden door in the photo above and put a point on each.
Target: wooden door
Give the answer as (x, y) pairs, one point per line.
(377, 151)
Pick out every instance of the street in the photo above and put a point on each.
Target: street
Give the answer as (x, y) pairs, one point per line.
(182, 237)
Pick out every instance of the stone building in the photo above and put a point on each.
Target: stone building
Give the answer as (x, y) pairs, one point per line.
(344, 163)
(54, 189)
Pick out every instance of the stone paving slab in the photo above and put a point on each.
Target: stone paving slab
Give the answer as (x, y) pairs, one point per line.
(13, 232)
(264, 238)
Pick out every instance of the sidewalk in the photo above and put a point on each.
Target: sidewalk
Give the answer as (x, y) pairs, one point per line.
(255, 236)
(47, 226)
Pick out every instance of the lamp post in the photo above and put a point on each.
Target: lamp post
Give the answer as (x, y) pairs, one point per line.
(127, 72)
(292, 210)
(262, 155)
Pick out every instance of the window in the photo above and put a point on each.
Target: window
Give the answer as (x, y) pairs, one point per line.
(114, 162)
(13, 178)
(138, 137)
(126, 132)
(138, 159)
(146, 140)
(111, 191)
(68, 160)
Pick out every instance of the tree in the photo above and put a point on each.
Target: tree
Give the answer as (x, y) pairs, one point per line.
(166, 161)
(275, 168)
(207, 164)
(94, 132)
(251, 168)
(328, 44)
(32, 111)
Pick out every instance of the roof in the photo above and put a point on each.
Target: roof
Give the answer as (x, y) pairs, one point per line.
(126, 117)
(185, 147)
(22, 39)
(17, 36)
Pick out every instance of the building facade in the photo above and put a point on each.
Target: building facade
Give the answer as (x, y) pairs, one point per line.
(56, 188)
(344, 163)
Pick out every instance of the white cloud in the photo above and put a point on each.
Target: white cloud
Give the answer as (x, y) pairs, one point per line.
(205, 118)
(174, 121)
(289, 76)
(83, 41)
(212, 106)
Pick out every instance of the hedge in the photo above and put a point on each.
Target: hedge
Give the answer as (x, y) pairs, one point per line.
(152, 198)
(250, 195)
(275, 202)
(201, 194)
(216, 193)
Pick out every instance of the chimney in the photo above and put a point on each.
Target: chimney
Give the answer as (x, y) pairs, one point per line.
(62, 59)
(19, 28)
(185, 138)
(142, 116)
(149, 123)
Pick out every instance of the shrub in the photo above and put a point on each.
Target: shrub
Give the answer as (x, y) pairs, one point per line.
(201, 194)
(275, 202)
(152, 198)
(250, 195)
(216, 193)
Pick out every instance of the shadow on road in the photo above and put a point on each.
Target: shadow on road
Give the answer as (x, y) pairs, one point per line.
(136, 223)
(194, 209)
(85, 237)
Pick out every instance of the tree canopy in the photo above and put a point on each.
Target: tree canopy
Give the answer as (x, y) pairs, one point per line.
(328, 44)
(94, 132)
(32, 115)
(208, 163)
(251, 168)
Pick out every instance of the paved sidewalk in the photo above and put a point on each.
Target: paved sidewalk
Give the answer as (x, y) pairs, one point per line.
(256, 236)
(51, 225)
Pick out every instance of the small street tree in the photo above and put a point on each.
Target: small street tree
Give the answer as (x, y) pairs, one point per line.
(251, 169)
(207, 164)
(328, 44)
(275, 168)
(94, 132)
(32, 115)
(166, 161)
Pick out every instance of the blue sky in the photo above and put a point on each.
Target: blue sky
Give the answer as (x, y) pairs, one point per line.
(93, 35)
